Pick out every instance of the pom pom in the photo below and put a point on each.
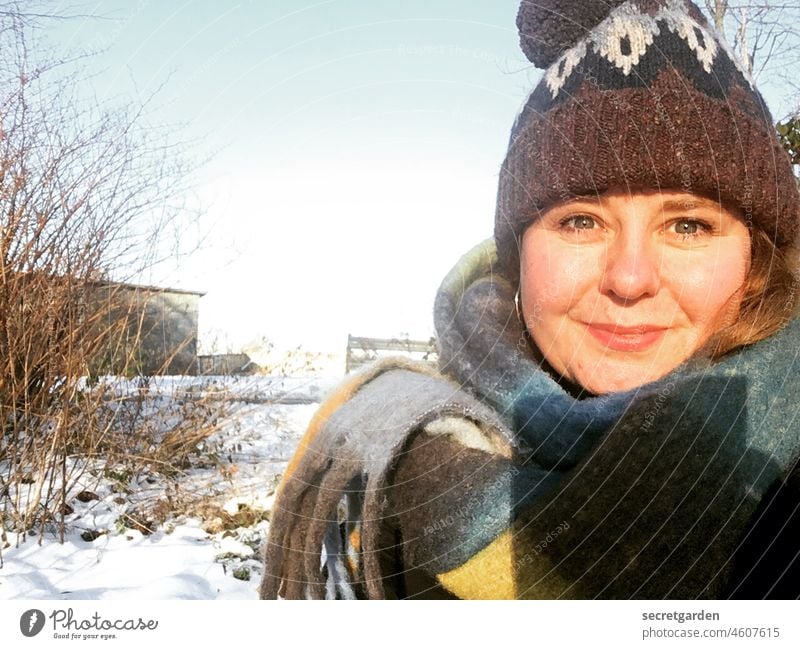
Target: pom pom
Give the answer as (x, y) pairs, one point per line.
(547, 28)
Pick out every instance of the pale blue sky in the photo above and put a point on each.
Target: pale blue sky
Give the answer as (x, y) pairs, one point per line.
(356, 149)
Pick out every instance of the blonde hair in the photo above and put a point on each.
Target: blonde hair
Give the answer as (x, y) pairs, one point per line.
(769, 299)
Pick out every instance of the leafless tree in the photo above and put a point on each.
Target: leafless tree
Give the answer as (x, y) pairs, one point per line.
(765, 35)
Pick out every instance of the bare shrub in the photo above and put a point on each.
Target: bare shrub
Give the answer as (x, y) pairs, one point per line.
(86, 192)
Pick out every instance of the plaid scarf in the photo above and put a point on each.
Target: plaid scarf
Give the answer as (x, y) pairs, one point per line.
(489, 480)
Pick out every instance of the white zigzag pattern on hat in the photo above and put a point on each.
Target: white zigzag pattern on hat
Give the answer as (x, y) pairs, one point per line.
(640, 29)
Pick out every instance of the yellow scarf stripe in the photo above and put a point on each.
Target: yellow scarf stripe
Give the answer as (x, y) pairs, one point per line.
(501, 571)
(487, 575)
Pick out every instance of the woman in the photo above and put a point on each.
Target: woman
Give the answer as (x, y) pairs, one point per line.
(615, 411)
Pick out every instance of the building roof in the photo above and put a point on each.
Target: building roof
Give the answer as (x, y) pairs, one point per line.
(152, 289)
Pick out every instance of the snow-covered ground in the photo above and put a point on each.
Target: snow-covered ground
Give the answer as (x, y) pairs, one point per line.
(211, 550)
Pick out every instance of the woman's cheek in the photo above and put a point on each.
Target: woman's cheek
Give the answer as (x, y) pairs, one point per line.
(731, 291)
(710, 291)
(554, 279)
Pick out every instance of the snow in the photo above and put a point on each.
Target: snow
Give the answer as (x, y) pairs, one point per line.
(200, 553)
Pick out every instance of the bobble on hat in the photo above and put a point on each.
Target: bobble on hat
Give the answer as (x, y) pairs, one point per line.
(549, 27)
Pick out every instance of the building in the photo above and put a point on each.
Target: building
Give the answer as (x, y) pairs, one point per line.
(147, 330)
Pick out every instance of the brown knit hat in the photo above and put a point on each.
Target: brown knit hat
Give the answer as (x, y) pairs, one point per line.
(638, 94)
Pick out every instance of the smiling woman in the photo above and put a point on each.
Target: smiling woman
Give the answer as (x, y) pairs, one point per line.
(614, 414)
(618, 290)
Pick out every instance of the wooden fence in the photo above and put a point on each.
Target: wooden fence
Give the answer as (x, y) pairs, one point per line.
(362, 350)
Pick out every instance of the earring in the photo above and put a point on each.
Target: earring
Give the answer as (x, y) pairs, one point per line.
(517, 307)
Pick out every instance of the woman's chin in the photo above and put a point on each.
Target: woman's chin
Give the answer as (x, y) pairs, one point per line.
(603, 370)
(619, 377)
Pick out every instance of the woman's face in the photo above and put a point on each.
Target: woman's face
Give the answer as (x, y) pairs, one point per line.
(620, 289)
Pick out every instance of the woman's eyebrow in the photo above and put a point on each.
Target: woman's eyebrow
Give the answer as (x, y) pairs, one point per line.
(591, 200)
(677, 205)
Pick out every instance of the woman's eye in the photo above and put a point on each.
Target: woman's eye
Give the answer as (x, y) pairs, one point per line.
(578, 222)
(689, 227)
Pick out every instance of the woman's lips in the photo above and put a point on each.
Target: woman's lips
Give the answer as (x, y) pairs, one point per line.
(626, 339)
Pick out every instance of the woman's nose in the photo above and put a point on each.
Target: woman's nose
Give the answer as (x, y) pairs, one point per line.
(631, 268)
